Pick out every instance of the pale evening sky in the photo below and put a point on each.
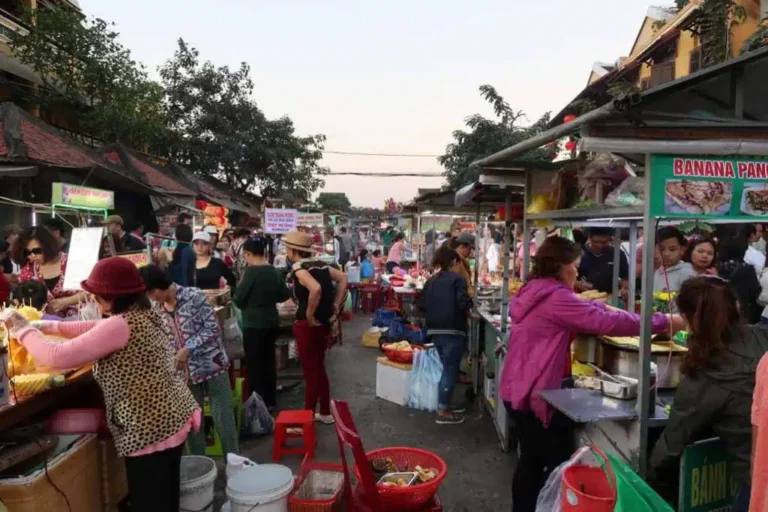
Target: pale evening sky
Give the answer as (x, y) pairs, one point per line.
(387, 77)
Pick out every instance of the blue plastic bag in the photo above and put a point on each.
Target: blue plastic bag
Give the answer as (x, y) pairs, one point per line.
(383, 317)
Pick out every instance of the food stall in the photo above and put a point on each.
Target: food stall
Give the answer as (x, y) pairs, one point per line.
(710, 128)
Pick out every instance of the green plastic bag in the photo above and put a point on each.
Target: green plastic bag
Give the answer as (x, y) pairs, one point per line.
(348, 303)
(634, 494)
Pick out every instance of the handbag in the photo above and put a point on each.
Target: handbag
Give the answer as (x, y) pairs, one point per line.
(232, 335)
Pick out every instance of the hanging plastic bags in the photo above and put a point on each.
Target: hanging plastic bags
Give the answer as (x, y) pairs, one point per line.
(232, 334)
(425, 380)
(256, 418)
(550, 496)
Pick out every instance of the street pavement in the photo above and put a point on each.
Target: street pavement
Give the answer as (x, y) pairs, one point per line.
(479, 473)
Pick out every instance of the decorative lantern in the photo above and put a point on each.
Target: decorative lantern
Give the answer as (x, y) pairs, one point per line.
(569, 118)
(570, 145)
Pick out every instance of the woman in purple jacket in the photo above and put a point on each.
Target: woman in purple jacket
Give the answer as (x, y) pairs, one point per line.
(546, 313)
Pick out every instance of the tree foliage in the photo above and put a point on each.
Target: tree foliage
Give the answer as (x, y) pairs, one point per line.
(486, 136)
(218, 130)
(334, 201)
(88, 76)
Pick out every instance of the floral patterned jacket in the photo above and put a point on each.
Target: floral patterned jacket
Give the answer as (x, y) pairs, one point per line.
(196, 323)
(31, 271)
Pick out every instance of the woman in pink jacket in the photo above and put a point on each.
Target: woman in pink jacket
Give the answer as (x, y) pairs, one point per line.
(546, 313)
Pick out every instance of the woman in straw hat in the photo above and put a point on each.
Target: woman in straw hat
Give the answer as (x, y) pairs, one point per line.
(318, 305)
(149, 409)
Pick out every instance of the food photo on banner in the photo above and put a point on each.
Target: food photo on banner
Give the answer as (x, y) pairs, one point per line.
(725, 188)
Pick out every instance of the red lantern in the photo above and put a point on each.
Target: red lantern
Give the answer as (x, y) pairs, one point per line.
(570, 145)
(569, 118)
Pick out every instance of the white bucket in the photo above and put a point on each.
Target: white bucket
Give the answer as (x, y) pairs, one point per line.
(198, 475)
(264, 488)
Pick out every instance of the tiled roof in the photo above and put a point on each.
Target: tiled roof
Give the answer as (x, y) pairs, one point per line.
(154, 175)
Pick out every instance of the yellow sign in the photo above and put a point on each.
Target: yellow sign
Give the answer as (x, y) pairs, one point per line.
(140, 259)
(83, 197)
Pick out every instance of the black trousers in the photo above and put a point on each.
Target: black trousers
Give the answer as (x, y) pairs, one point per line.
(541, 451)
(154, 480)
(259, 347)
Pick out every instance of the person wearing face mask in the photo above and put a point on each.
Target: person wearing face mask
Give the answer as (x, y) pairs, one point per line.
(149, 409)
(545, 314)
(39, 255)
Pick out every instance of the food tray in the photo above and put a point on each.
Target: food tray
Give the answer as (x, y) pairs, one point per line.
(626, 390)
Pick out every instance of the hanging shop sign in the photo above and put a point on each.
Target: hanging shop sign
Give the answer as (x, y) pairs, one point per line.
(64, 194)
(706, 484)
(709, 187)
(139, 258)
(280, 220)
(311, 219)
(439, 223)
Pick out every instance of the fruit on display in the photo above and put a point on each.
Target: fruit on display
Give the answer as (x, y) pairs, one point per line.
(514, 286)
(31, 383)
(400, 345)
(593, 295)
(19, 360)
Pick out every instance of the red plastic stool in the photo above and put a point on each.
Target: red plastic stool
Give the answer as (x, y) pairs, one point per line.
(370, 298)
(305, 420)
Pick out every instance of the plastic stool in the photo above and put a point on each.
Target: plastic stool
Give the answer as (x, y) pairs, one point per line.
(370, 298)
(305, 420)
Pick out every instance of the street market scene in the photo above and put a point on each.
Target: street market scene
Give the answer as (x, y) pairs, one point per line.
(239, 279)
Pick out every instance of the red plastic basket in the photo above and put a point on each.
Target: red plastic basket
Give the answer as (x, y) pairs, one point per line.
(400, 356)
(406, 459)
(334, 504)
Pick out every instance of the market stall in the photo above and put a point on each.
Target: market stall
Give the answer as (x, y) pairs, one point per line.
(709, 128)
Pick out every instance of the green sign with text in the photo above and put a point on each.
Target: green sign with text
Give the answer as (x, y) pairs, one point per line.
(706, 484)
(64, 194)
(709, 187)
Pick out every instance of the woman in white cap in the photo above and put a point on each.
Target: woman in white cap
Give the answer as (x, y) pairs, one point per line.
(318, 306)
(209, 271)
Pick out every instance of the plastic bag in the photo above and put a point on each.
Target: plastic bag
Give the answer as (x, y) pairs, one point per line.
(550, 496)
(383, 317)
(631, 192)
(634, 493)
(425, 380)
(256, 418)
(232, 335)
(606, 169)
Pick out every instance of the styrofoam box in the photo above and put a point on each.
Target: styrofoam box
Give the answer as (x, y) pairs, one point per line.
(392, 384)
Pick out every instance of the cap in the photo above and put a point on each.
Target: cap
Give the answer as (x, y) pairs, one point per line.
(466, 238)
(211, 230)
(114, 219)
(202, 236)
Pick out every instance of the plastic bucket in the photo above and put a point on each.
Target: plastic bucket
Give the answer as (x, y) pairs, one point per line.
(589, 488)
(264, 488)
(198, 475)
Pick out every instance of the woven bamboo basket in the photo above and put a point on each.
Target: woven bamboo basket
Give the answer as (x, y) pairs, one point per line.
(75, 472)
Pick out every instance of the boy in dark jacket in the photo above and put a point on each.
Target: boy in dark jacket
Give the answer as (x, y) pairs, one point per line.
(446, 305)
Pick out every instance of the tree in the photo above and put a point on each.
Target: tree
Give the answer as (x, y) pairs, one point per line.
(218, 130)
(487, 136)
(90, 77)
(334, 201)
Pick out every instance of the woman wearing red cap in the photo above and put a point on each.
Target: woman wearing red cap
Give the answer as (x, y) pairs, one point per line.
(149, 409)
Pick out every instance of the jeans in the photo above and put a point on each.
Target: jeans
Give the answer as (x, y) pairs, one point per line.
(451, 350)
(542, 449)
(259, 347)
(154, 480)
(741, 501)
(311, 343)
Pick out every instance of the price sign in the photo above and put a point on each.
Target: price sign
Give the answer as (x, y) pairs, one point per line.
(280, 220)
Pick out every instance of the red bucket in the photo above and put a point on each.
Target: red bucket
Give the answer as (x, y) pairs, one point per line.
(589, 488)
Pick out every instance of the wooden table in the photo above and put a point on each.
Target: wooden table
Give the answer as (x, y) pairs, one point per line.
(75, 385)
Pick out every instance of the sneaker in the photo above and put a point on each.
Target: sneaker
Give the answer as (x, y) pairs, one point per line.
(449, 419)
(458, 410)
(324, 418)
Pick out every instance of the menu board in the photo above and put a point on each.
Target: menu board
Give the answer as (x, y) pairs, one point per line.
(725, 188)
(280, 220)
(311, 219)
(83, 255)
(138, 258)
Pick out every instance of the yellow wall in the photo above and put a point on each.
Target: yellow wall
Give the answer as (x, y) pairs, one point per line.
(747, 27)
(686, 43)
(646, 34)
